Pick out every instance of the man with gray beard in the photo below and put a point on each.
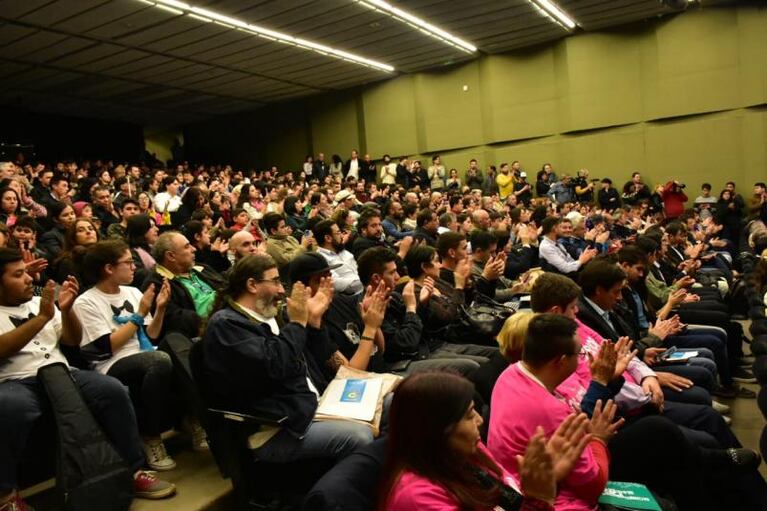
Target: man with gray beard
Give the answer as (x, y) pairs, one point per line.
(262, 362)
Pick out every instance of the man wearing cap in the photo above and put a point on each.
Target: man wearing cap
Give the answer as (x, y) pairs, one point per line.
(344, 199)
(523, 190)
(341, 262)
(354, 332)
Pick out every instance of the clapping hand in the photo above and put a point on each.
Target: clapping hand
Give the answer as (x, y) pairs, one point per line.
(602, 426)
(374, 309)
(47, 306)
(567, 444)
(536, 470)
(164, 295)
(319, 302)
(296, 304)
(67, 294)
(623, 355)
(426, 290)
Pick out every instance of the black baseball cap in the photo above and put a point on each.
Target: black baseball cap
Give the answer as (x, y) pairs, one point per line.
(305, 265)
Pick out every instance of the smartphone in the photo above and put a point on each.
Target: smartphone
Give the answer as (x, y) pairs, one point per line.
(666, 354)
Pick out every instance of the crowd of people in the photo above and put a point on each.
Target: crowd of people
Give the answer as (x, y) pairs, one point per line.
(285, 277)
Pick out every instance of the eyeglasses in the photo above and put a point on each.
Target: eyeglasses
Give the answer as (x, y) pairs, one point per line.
(128, 262)
(582, 352)
(275, 280)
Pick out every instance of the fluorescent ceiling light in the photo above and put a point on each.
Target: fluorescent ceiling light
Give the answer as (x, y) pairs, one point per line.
(554, 12)
(208, 16)
(422, 25)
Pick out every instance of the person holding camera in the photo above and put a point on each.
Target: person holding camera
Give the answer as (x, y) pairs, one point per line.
(673, 199)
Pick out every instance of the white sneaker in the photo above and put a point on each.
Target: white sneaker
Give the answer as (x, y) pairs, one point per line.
(720, 407)
(199, 437)
(156, 456)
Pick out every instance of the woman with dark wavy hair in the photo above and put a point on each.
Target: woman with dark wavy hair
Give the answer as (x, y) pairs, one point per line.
(436, 459)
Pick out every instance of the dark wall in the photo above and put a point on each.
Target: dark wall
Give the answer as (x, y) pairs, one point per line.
(57, 137)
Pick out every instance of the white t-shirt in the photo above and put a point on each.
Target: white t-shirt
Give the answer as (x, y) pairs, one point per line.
(354, 169)
(96, 311)
(41, 351)
(164, 201)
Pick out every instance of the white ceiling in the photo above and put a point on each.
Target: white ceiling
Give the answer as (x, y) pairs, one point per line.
(126, 60)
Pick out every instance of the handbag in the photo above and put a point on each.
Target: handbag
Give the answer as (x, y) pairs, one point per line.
(480, 322)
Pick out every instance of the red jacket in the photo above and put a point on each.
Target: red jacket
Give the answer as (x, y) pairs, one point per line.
(673, 202)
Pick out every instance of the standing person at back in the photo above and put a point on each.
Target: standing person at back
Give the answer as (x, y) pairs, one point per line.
(505, 181)
(436, 175)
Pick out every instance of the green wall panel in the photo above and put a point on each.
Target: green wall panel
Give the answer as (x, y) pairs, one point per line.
(682, 97)
(519, 95)
(752, 33)
(604, 81)
(697, 149)
(390, 118)
(697, 64)
(334, 126)
(450, 116)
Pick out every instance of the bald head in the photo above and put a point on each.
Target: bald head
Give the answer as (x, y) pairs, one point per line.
(242, 244)
(481, 219)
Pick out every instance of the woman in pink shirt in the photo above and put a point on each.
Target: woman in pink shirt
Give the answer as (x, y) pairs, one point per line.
(436, 460)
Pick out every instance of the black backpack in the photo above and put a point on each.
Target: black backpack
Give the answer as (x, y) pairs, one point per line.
(90, 474)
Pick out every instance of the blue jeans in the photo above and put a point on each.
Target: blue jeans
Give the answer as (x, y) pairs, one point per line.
(22, 402)
(324, 439)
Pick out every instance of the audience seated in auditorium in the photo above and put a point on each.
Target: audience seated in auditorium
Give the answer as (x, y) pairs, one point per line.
(31, 330)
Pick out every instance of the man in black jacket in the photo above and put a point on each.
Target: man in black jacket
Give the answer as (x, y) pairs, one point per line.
(193, 288)
(370, 229)
(320, 169)
(256, 362)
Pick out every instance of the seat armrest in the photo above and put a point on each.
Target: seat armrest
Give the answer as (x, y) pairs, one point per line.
(244, 417)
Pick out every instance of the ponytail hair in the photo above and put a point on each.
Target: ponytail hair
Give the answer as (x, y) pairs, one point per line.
(249, 267)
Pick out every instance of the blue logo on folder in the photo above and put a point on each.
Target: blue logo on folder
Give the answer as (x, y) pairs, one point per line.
(353, 391)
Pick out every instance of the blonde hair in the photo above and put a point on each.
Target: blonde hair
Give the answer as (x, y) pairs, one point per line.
(511, 338)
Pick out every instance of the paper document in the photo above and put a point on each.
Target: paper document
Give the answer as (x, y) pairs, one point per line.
(353, 398)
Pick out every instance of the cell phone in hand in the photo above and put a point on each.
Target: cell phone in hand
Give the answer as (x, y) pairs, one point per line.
(667, 354)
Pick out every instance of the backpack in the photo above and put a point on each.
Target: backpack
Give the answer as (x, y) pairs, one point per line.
(90, 474)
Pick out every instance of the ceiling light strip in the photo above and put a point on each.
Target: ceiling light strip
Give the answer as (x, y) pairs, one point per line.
(208, 16)
(420, 24)
(554, 12)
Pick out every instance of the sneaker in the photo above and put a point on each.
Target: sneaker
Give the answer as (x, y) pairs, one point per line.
(147, 486)
(16, 503)
(733, 391)
(720, 407)
(742, 375)
(744, 460)
(199, 437)
(156, 457)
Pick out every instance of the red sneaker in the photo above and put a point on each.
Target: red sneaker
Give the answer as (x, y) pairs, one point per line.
(147, 486)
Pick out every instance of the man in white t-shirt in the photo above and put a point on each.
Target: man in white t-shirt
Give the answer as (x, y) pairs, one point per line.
(31, 329)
